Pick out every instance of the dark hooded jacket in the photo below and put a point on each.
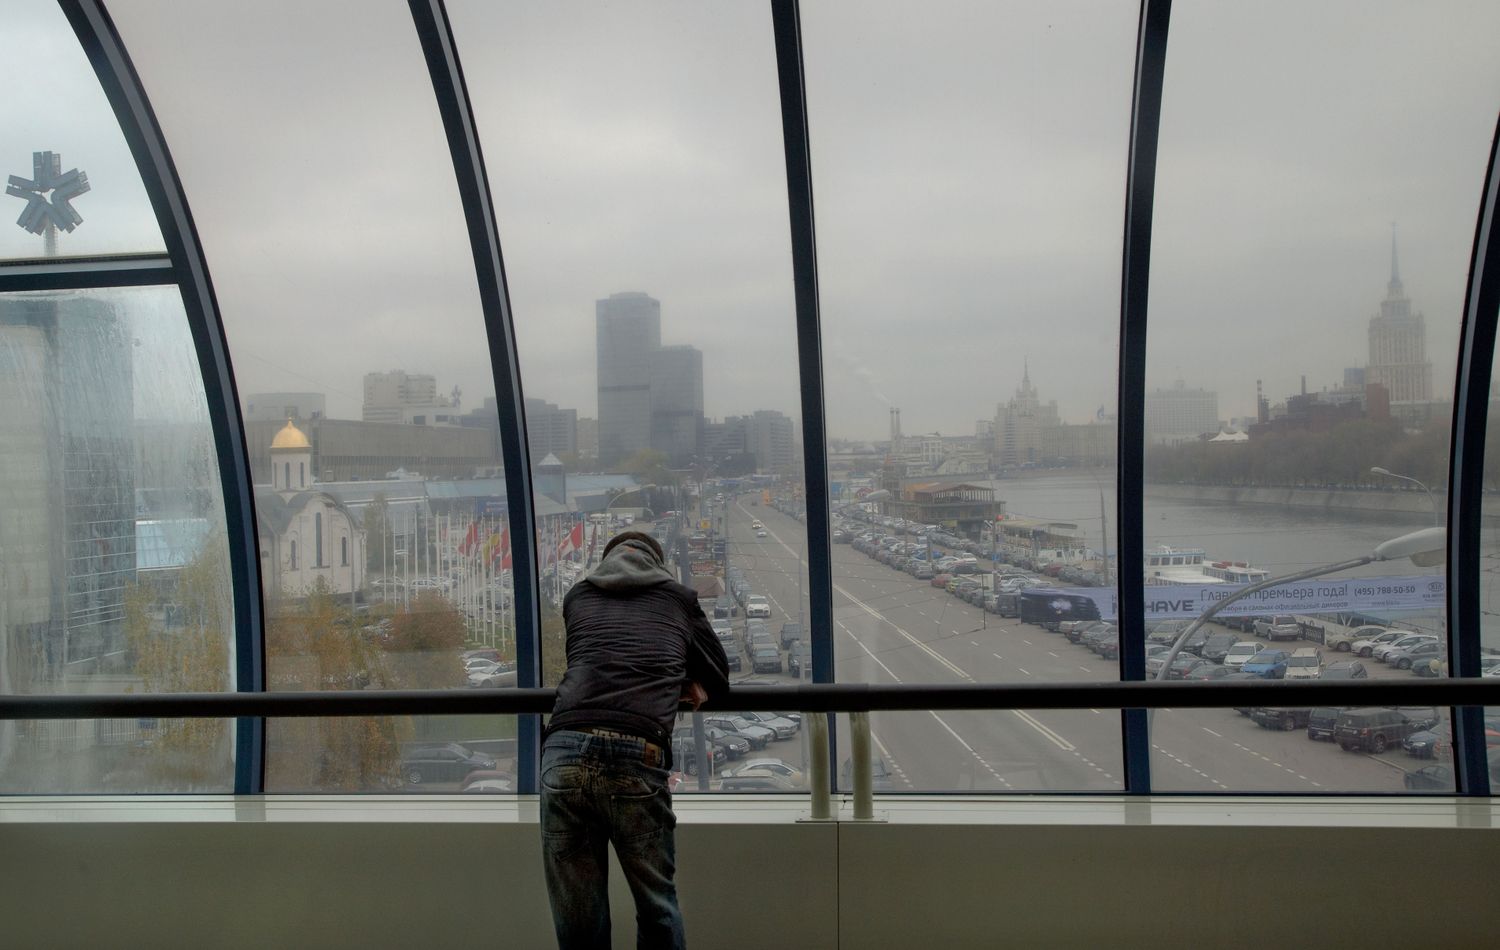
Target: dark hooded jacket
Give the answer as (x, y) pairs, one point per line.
(635, 638)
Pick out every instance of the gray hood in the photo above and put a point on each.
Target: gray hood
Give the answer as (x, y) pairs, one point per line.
(632, 564)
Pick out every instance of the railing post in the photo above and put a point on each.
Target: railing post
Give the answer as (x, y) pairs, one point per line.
(859, 741)
(817, 771)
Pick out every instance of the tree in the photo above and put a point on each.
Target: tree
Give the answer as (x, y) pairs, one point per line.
(320, 645)
(647, 465)
(380, 542)
(554, 645)
(194, 658)
(425, 643)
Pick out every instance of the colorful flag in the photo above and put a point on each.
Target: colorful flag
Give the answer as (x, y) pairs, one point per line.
(572, 541)
(470, 539)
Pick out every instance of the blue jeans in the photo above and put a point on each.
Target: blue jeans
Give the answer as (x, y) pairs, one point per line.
(597, 791)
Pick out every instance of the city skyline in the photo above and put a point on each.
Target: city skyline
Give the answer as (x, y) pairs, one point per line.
(996, 233)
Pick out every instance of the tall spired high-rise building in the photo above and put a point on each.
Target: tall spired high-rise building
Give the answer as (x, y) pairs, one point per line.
(1019, 424)
(1398, 343)
(627, 330)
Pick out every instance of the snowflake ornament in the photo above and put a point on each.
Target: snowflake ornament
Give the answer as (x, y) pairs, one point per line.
(39, 211)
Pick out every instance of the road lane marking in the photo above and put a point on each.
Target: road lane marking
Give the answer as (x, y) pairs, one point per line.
(997, 656)
(1211, 732)
(1047, 733)
(1053, 655)
(1023, 672)
(890, 760)
(1085, 669)
(868, 653)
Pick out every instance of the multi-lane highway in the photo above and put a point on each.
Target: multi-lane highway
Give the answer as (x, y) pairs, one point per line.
(891, 628)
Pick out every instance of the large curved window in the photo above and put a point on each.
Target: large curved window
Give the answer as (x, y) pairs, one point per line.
(114, 570)
(635, 158)
(968, 166)
(1300, 374)
(342, 268)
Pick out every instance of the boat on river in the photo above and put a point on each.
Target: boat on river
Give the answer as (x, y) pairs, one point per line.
(1166, 565)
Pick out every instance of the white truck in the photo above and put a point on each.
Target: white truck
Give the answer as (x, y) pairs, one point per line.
(1279, 627)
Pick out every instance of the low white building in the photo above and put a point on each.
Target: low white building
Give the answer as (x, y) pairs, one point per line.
(305, 534)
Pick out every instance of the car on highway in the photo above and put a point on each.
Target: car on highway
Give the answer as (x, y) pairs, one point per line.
(758, 736)
(799, 659)
(1346, 670)
(449, 762)
(1321, 720)
(1366, 647)
(1372, 729)
(765, 659)
(791, 632)
(1431, 778)
(1304, 664)
(1405, 658)
(1267, 664)
(1241, 652)
(761, 533)
(783, 727)
(1279, 627)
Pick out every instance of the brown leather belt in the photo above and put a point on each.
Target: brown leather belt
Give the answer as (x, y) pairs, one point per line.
(652, 754)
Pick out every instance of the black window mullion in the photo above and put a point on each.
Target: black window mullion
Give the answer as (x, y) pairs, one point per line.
(786, 24)
(436, 34)
(1140, 195)
(122, 86)
(1466, 478)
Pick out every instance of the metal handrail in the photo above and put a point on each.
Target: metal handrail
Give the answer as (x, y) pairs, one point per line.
(823, 698)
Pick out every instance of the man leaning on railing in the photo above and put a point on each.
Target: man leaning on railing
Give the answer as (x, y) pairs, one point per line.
(638, 647)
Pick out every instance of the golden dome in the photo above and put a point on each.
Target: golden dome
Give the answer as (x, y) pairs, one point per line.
(290, 437)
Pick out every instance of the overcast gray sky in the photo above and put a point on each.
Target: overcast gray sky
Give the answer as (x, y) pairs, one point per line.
(969, 163)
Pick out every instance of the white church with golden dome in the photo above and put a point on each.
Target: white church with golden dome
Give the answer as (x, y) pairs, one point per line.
(306, 535)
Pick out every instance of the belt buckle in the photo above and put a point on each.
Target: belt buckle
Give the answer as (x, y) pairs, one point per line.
(652, 755)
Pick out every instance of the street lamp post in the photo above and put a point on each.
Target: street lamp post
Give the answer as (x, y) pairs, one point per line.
(1425, 548)
(1436, 518)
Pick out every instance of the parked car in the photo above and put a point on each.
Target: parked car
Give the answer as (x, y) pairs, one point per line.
(1405, 658)
(1344, 642)
(1367, 646)
(1217, 646)
(1371, 729)
(1278, 627)
(685, 754)
(758, 782)
(1241, 653)
(1422, 744)
(1267, 664)
(1431, 778)
(1347, 670)
(756, 605)
(732, 745)
(1284, 719)
(725, 606)
(881, 779)
(783, 727)
(758, 736)
(1304, 664)
(1212, 672)
(1183, 665)
(791, 632)
(1321, 720)
(1384, 651)
(768, 767)
(441, 763)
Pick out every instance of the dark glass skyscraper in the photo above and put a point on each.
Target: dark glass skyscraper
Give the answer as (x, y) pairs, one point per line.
(677, 403)
(627, 335)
